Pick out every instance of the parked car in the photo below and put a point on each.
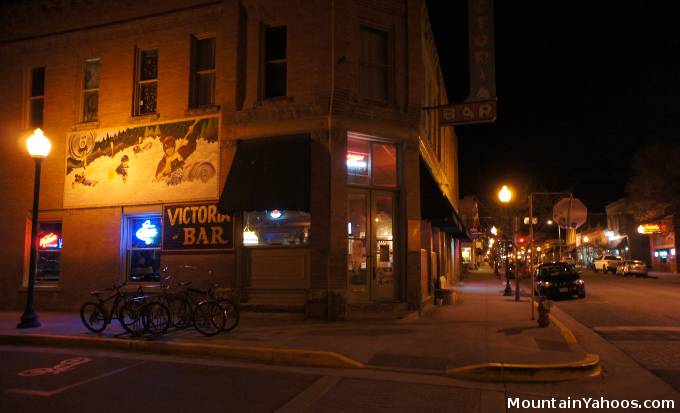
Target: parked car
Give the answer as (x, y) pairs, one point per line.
(635, 267)
(607, 263)
(559, 279)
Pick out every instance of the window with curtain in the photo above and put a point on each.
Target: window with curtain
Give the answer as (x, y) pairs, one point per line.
(91, 90)
(36, 97)
(375, 69)
(146, 82)
(202, 92)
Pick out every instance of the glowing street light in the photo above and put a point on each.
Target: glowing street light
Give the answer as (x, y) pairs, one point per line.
(504, 194)
(586, 239)
(494, 230)
(38, 146)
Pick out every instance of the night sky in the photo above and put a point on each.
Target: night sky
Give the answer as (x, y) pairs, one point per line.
(581, 85)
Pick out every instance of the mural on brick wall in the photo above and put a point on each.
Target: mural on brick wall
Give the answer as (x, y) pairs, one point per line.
(162, 162)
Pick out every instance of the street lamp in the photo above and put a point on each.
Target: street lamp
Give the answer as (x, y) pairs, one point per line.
(505, 195)
(494, 230)
(38, 147)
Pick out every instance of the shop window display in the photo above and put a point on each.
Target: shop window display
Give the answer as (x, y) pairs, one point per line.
(276, 228)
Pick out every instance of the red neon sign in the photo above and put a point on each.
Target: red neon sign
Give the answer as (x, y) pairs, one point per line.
(50, 240)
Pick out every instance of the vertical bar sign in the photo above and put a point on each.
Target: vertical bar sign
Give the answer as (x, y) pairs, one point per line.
(482, 60)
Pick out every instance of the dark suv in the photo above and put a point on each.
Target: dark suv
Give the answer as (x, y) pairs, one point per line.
(556, 279)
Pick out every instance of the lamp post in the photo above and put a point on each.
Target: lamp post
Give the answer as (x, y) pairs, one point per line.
(505, 195)
(38, 147)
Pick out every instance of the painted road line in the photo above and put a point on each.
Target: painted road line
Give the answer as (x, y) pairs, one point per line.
(49, 393)
(608, 329)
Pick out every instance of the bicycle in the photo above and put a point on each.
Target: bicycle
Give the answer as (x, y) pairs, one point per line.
(96, 317)
(134, 313)
(209, 314)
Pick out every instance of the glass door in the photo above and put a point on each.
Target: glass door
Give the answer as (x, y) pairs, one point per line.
(371, 241)
(384, 280)
(357, 237)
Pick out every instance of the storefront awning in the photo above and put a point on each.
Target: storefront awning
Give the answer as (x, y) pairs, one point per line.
(269, 173)
(435, 206)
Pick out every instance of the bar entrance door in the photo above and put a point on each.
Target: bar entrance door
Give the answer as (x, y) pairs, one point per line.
(372, 274)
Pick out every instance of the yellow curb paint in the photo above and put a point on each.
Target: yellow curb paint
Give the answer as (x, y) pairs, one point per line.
(297, 357)
(568, 336)
(564, 330)
(589, 366)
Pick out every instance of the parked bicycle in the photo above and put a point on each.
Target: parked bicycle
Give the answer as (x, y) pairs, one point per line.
(135, 313)
(208, 313)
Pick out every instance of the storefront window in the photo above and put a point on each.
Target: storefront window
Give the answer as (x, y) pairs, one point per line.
(49, 252)
(371, 163)
(276, 227)
(466, 255)
(143, 248)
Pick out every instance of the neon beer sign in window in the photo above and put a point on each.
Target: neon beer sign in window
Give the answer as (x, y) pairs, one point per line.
(145, 232)
(357, 163)
(50, 241)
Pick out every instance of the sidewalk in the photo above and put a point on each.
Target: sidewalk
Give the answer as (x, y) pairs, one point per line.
(482, 327)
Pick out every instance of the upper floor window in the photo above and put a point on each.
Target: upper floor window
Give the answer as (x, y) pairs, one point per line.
(146, 81)
(36, 99)
(275, 64)
(202, 72)
(375, 69)
(91, 90)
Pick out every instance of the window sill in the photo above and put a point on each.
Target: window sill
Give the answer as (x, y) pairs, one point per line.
(382, 103)
(205, 110)
(274, 100)
(86, 125)
(144, 118)
(42, 287)
(279, 247)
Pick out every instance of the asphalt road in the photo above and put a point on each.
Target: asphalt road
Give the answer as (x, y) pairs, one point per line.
(640, 316)
(60, 380)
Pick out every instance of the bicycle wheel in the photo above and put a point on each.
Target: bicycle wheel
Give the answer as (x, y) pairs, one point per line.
(155, 318)
(209, 318)
(93, 316)
(129, 317)
(180, 312)
(231, 314)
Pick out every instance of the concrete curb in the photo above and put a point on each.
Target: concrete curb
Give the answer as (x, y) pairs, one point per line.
(282, 356)
(589, 366)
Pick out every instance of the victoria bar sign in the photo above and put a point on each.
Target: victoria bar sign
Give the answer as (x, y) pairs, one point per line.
(196, 227)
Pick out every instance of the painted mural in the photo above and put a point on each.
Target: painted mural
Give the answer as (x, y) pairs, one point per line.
(155, 163)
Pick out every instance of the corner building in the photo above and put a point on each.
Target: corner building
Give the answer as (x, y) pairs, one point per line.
(281, 149)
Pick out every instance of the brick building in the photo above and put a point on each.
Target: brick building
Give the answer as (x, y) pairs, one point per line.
(280, 145)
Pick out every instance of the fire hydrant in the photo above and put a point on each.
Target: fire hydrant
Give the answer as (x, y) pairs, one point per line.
(543, 312)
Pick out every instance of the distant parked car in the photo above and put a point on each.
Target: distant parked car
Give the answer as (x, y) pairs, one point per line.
(559, 279)
(607, 263)
(635, 267)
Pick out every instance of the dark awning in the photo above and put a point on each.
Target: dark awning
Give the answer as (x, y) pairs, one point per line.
(435, 206)
(269, 173)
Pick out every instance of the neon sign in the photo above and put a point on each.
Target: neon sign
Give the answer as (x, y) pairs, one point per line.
(357, 162)
(147, 232)
(649, 229)
(50, 240)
